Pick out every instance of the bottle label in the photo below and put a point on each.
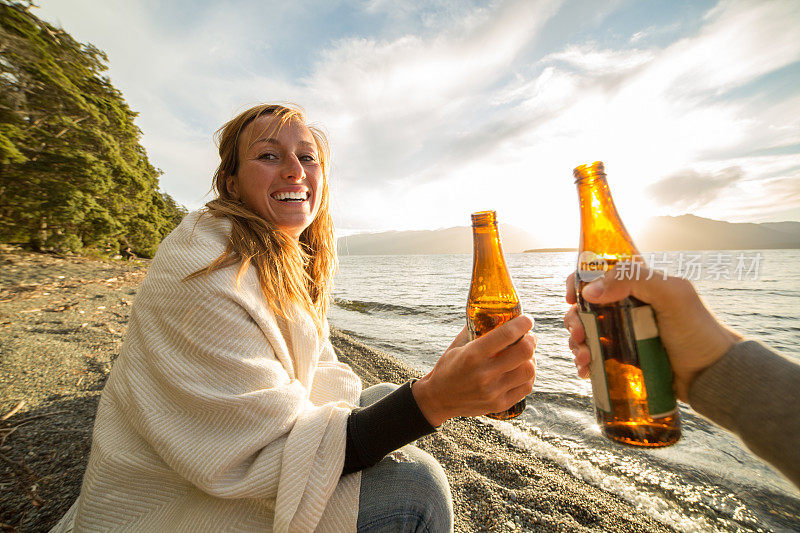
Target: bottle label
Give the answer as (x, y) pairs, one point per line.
(591, 266)
(653, 361)
(596, 367)
(656, 370)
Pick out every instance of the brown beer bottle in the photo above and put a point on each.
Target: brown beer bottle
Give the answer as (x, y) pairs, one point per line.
(492, 299)
(630, 372)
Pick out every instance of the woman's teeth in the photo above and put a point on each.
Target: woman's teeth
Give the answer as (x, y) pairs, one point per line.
(291, 196)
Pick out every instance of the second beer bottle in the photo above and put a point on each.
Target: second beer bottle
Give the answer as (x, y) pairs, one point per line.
(630, 372)
(492, 299)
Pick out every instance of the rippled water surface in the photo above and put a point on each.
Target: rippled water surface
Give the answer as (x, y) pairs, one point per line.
(413, 306)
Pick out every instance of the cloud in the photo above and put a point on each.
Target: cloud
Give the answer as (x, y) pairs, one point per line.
(590, 60)
(403, 104)
(689, 189)
(760, 201)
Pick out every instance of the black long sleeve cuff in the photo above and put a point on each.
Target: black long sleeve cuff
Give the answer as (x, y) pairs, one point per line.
(380, 428)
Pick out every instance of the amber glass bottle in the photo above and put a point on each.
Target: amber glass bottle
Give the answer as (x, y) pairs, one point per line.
(631, 375)
(492, 297)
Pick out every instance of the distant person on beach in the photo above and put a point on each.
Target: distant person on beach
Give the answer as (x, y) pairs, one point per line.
(227, 408)
(739, 384)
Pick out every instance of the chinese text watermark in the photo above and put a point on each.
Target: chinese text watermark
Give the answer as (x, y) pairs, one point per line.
(693, 266)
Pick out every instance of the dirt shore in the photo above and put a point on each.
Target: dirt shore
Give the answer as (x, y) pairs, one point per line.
(62, 319)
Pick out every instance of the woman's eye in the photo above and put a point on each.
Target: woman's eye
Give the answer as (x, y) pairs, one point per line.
(308, 157)
(268, 156)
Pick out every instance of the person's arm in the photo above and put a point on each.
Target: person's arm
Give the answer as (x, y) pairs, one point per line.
(486, 375)
(755, 393)
(742, 386)
(380, 428)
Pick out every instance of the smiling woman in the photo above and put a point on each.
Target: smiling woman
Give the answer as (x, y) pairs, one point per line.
(227, 408)
(267, 154)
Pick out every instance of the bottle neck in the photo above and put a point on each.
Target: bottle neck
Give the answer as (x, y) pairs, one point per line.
(602, 230)
(490, 278)
(486, 247)
(485, 239)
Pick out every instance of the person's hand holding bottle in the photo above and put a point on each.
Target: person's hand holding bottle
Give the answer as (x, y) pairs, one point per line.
(488, 374)
(693, 337)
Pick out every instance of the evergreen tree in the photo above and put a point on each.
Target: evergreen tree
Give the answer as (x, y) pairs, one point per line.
(72, 171)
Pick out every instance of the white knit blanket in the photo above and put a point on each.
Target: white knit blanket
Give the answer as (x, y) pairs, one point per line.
(218, 415)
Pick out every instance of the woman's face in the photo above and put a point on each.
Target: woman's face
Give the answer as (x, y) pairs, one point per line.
(279, 175)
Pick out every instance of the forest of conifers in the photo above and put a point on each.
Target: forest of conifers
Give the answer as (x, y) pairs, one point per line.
(73, 176)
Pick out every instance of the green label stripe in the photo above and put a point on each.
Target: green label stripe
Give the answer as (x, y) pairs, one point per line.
(657, 374)
(654, 362)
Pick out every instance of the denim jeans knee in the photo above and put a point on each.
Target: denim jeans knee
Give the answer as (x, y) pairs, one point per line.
(407, 491)
(374, 393)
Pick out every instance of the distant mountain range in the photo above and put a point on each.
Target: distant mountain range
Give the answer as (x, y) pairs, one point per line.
(457, 240)
(686, 232)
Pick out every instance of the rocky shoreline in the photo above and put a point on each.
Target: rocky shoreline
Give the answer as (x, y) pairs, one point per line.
(62, 319)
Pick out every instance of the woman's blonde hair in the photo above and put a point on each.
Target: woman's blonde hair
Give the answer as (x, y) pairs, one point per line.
(288, 270)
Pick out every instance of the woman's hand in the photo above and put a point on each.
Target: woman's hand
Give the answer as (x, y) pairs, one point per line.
(487, 375)
(693, 338)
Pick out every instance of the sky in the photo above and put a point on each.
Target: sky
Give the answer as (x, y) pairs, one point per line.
(436, 109)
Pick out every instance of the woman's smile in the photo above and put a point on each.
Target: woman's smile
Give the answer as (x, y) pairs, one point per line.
(290, 197)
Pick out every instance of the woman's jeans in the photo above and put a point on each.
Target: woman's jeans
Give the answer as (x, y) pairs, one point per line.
(406, 491)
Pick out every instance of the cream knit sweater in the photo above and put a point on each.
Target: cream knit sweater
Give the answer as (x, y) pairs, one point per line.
(218, 415)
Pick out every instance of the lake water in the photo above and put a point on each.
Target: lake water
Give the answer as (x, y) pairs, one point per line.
(412, 307)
